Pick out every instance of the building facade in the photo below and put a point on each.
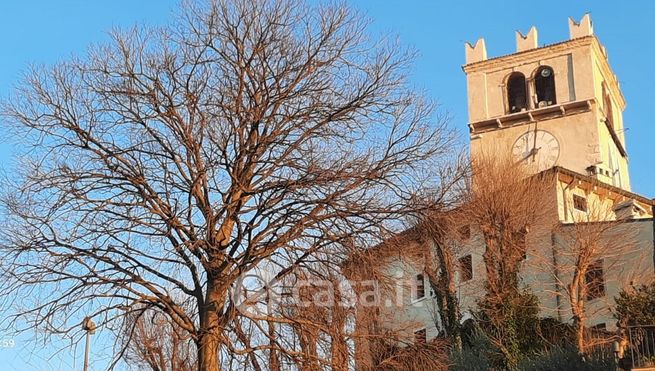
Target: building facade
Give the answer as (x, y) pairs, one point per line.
(559, 109)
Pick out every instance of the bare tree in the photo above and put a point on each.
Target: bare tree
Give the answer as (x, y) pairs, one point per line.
(509, 207)
(319, 314)
(378, 343)
(439, 227)
(506, 201)
(163, 166)
(594, 244)
(156, 344)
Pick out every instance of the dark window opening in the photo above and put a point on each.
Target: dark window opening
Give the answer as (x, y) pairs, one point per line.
(520, 239)
(420, 287)
(420, 336)
(517, 96)
(580, 203)
(595, 280)
(599, 328)
(464, 232)
(607, 103)
(544, 84)
(466, 268)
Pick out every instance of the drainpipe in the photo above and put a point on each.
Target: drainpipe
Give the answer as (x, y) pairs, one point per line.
(558, 296)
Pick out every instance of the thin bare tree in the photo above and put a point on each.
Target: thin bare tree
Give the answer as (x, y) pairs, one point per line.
(506, 201)
(161, 167)
(587, 250)
(156, 344)
(379, 342)
(509, 207)
(439, 227)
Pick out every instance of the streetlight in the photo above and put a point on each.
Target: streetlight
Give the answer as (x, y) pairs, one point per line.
(616, 348)
(90, 328)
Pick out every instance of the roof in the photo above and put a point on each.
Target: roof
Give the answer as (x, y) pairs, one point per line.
(596, 182)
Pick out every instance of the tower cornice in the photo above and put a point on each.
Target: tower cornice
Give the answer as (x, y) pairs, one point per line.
(548, 51)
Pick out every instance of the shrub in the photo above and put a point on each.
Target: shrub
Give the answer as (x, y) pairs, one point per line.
(636, 306)
(566, 358)
(555, 333)
(511, 321)
(474, 355)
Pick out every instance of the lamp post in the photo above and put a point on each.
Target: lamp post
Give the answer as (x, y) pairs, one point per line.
(90, 328)
(616, 348)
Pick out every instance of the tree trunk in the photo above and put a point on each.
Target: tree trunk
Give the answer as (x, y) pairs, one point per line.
(578, 324)
(210, 330)
(577, 292)
(579, 336)
(208, 359)
(339, 348)
(273, 357)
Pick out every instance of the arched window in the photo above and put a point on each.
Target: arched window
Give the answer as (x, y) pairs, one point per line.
(516, 92)
(544, 85)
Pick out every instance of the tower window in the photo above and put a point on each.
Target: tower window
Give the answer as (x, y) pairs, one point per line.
(595, 280)
(544, 84)
(516, 93)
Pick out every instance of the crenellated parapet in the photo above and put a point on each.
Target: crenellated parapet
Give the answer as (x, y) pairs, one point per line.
(582, 28)
(477, 52)
(528, 41)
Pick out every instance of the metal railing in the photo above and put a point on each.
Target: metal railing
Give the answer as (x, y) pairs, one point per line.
(642, 346)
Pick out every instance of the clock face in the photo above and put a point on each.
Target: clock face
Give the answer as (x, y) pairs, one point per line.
(537, 148)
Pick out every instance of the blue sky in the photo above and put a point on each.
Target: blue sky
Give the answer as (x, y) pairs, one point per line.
(45, 31)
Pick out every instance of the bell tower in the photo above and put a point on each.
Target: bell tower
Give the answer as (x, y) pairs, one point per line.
(551, 105)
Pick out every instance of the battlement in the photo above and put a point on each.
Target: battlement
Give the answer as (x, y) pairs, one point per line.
(478, 52)
(582, 29)
(528, 41)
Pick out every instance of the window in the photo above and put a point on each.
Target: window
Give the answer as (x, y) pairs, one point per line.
(464, 232)
(607, 103)
(516, 93)
(601, 327)
(420, 336)
(465, 268)
(520, 239)
(595, 280)
(420, 287)
(544, 84)
(579, 203)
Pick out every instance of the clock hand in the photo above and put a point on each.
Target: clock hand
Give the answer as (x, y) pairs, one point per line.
(526, 139)
(534, 143)
(532, 153)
